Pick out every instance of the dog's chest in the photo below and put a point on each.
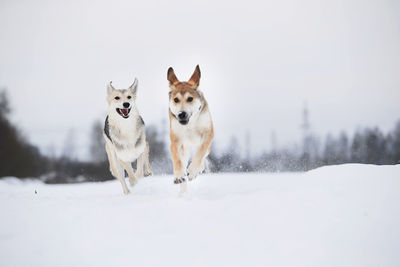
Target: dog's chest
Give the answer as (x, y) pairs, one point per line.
(124, 132)
(127, 138)
(190, 137)
(192, 134)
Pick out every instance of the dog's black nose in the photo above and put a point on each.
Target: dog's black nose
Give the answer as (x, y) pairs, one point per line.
(182, 115)
(126, 105)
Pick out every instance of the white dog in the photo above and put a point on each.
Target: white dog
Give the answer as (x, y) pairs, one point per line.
(125, 136)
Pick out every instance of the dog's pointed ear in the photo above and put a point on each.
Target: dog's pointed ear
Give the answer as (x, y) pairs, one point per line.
(110, 88)
(195, 79)
(134, 86)
(172, 77)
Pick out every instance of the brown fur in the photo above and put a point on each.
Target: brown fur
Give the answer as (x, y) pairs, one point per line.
(182, 91)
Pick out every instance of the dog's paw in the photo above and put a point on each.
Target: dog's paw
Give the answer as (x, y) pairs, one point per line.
(126, 192)
(133, 182)
(191, 177)
(139, 175)
(202, 168)
(179, 180)
(192, 172)
(148, 174)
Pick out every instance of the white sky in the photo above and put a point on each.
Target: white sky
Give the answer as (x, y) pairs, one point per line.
(260, 61)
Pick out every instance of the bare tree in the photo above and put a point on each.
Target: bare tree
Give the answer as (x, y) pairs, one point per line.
(97, 144)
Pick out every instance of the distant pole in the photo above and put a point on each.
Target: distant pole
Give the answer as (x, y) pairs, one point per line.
(305, 126)
(307, 139)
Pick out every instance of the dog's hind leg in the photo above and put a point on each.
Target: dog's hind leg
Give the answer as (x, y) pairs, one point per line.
(116, 168)
(140, 165)
(147, 167)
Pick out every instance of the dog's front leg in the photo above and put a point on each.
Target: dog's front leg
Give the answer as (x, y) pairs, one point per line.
(116, 168)
(179, 169)
(128, 167)
(197, 163)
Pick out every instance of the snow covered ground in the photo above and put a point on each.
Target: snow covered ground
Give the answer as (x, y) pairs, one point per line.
(345, 215)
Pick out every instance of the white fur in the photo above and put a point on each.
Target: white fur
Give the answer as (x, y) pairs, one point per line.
(130, 133)
(128, 137)
(188, 133)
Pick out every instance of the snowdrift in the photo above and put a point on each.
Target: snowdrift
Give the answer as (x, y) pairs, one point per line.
(346, 215)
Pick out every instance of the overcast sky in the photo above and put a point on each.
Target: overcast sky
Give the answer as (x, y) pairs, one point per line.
(260, 62)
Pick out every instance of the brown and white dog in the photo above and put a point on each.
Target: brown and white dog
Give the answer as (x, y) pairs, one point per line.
(191, 126)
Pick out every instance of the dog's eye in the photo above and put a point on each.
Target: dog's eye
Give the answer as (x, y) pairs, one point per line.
(129, 97)
(176, 100)
(116, 98)
(190, 99)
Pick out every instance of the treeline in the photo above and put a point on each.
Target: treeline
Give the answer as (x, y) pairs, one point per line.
(17, 157)
(66, 170)
(20, 159)
(368, 146)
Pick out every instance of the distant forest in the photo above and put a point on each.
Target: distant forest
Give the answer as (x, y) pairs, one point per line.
(20, 159)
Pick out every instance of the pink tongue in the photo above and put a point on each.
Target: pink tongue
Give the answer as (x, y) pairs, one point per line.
(125, 111)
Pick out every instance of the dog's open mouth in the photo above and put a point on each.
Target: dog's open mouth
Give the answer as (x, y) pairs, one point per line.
(184, 121)
(124, 112)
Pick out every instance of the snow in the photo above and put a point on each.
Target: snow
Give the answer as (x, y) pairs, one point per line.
(346, 215)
